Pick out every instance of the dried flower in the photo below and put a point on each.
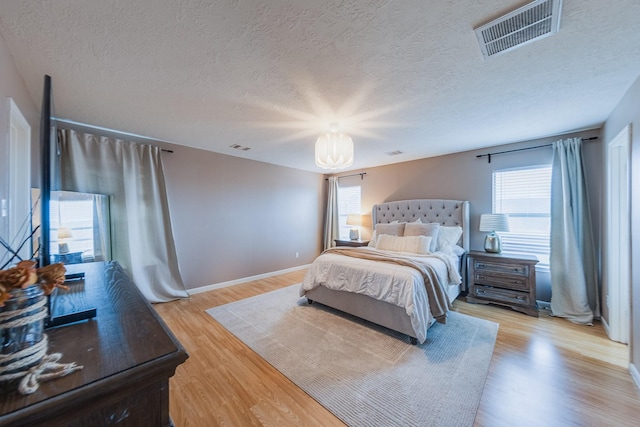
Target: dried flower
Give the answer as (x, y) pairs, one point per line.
(51, 277)
(25, 274)
(4, 295)
(22, 275)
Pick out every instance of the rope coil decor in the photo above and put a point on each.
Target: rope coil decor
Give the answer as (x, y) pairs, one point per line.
(46, 366)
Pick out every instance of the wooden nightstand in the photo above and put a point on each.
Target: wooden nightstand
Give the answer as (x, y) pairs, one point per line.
(352, 243)
(503, 279)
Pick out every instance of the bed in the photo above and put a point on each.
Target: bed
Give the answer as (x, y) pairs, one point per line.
(382, 283)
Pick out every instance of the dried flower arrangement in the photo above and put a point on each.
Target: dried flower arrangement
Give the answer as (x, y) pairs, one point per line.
(25, 274)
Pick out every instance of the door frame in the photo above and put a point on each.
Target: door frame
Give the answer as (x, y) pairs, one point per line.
(618, 265)
(19, 180)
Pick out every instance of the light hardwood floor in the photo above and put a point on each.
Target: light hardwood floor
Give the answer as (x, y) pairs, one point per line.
(545, 371)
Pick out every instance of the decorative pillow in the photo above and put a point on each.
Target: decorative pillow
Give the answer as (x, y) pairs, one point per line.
(412, 244)
(448, 235)
(390, 229)
(429, 230)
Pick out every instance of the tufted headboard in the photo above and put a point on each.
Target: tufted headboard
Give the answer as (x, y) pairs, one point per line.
(445, 212)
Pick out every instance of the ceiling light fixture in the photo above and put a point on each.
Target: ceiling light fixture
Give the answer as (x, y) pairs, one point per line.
(334, 150)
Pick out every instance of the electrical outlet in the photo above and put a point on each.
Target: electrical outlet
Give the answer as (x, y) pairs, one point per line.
(297, 254)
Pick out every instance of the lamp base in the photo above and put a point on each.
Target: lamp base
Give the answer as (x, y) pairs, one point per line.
(354, 234)
(492, 244)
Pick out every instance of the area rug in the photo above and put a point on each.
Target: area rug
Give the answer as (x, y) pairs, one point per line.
(365, 374)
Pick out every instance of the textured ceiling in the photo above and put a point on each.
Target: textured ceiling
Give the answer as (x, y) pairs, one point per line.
(271, 75)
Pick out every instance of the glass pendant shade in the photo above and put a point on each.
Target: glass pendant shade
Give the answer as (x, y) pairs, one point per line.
(334, 151)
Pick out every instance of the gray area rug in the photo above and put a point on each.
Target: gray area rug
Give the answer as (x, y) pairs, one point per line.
(364, 374)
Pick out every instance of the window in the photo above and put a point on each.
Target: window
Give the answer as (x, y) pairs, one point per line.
(348, 203)
(525, 195)
(77, 217)
(80, 224)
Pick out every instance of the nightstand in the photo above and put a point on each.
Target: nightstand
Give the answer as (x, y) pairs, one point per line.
(503, 279)
(352, 243)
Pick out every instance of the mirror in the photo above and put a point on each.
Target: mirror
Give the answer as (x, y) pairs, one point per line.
(79, 226)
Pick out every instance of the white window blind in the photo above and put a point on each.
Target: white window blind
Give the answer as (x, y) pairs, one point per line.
(78, 216)
(525, 195)
(349, 199)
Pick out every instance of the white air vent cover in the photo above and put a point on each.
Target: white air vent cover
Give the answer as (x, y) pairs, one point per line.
(534, 21)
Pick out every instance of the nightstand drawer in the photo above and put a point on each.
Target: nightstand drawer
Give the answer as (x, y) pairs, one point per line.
(503, 295)
(502, 267)
(517, 283)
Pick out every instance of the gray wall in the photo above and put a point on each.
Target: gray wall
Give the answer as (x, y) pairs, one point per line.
(235, 218)
(628, 112)
(462, 176)
(12, 86)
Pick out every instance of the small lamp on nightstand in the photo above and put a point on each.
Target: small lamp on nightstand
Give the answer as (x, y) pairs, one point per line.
(493, 223)
(64, 234)
(355, 221)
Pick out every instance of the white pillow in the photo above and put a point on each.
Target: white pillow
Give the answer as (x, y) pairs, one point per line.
(448, 235)
(393, 229)
(412, 244)
(419, 229)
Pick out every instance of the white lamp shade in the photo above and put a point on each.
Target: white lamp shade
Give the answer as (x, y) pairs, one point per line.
(354, 219)
(494, 222)
(334, 151)
(64, 233)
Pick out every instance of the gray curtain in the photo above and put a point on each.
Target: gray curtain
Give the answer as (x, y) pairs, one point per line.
(331, 220)
(574, 285)
(132, 174)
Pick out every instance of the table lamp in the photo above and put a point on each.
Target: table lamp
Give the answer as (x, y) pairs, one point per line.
(493, 223)
(63, 234)
(355, 221)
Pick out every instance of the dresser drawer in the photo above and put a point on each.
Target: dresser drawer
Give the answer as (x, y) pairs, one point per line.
(485, 277)
(501, 267)
(503, 295)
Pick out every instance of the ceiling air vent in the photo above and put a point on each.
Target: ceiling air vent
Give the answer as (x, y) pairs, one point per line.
(239, 147)
(532, 22)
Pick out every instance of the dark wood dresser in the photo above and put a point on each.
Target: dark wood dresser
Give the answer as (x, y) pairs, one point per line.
(503, 279)
(128, 354)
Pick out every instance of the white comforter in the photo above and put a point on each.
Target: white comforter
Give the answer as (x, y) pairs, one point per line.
(395, 284)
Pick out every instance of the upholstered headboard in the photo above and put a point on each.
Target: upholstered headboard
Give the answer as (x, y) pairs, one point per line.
(445, 212)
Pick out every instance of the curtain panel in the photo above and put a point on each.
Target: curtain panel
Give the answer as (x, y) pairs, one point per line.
(331, 219)
(574, 284)
(132, 174)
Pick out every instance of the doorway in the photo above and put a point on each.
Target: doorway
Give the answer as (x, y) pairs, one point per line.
(618, 237)
(19, 181)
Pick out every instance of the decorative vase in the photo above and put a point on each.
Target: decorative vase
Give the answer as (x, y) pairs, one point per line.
(21, 327)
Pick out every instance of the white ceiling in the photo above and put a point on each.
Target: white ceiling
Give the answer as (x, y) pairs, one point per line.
(272, 74)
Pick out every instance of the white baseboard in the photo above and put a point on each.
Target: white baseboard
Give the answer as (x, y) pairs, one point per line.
(244, 279)
(635, 374)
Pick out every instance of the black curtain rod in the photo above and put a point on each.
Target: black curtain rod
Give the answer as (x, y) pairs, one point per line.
(362, 174)
(488, 155)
